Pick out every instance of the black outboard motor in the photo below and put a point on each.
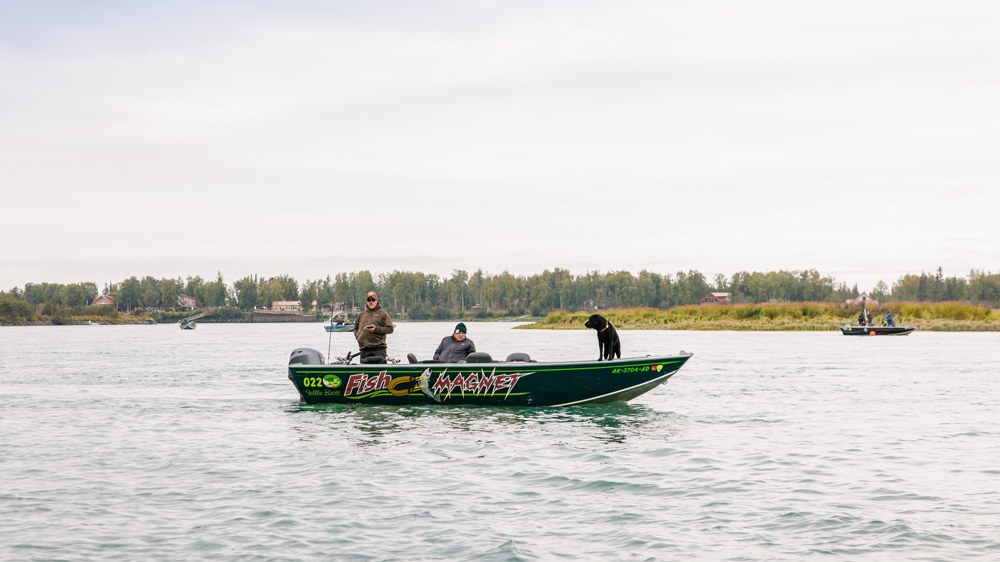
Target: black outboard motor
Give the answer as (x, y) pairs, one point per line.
(306, 356)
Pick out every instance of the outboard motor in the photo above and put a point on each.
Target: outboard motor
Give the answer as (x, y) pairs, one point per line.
(306, 356)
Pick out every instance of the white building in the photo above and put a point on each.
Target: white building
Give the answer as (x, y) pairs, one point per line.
(286, 306)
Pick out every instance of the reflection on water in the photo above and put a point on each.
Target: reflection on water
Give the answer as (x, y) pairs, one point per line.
(367, 425)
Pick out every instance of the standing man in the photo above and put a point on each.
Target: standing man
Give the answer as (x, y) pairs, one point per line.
(889, 320)
(370, 329)
(455, 348)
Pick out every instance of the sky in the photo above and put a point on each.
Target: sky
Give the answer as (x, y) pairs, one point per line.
(308, 138)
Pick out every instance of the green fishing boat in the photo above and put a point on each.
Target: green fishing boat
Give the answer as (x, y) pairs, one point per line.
(518, 381)
(188, 323)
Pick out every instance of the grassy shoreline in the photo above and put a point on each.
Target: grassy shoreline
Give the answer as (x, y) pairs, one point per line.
(816, 317)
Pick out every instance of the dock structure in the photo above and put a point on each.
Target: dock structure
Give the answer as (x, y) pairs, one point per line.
(282, 317)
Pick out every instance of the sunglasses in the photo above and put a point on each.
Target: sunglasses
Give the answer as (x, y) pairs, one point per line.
(371, 299)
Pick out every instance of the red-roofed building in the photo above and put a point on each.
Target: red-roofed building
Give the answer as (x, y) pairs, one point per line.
(716, 298)
(863, 296)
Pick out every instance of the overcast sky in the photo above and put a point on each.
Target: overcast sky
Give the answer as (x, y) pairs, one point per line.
(310, 138)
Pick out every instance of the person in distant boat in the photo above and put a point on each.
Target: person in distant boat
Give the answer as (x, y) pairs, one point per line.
(871, 320)
(455, 348)
(338, 320)
(861, 318)
(370, 329)
(889, 320)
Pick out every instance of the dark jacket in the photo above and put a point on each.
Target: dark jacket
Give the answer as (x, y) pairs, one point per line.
(383, 326)
(452, 351)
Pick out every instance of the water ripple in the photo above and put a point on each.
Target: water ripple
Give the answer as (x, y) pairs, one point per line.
(147, 443)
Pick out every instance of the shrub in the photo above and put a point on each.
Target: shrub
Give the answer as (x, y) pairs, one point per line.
(419, 311)
(16, 311)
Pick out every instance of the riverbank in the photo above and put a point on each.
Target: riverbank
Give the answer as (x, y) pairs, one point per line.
(77, 321)
(937, 317)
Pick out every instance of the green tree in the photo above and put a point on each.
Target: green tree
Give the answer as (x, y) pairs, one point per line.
(129, 293)
(170, 289)
(74, 295)
(246, 292)
(307, 294)
(213, 293)
(193, 288)
(149, 289)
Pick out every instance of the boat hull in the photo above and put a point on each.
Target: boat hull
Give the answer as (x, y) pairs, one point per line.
(484, 384)
(876, 330)
(188, 326)
(347, 328)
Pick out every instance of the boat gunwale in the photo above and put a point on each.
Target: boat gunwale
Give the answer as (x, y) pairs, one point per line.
(588, 364)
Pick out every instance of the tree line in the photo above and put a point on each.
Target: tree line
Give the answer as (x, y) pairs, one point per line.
(421, 296)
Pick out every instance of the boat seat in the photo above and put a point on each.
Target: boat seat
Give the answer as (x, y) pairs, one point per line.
(479, 357)
(411, 358)
(518, 357)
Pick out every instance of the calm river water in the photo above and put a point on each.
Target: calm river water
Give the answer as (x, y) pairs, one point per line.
(153, 443)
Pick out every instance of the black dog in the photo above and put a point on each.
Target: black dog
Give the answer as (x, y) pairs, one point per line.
(607, 337)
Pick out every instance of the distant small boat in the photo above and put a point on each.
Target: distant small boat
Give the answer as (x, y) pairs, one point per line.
(850, 330)
(91, 323)
(876, 330)
(340, 325)
(188, 323)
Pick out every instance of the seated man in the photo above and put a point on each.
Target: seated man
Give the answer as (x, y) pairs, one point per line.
(861, 319)
(455, 348)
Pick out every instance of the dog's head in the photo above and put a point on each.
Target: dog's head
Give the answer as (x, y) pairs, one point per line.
(596, 322)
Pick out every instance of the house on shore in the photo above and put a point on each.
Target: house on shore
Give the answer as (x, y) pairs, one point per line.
(716, 298)
(863, 296)
(185, 302)
(104, 300)
(286, 306)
